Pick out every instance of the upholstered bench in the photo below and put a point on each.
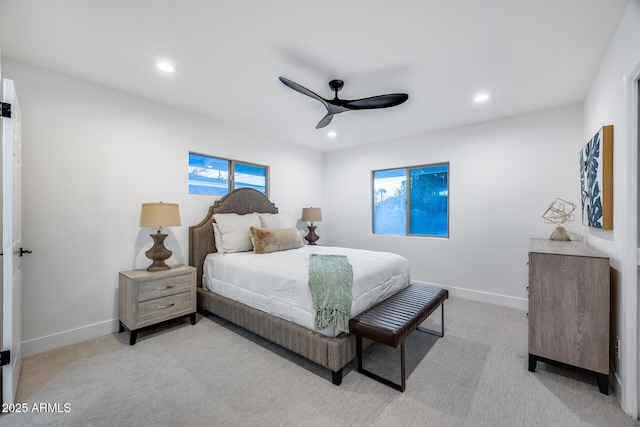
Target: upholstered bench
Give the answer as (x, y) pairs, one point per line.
(390, 321)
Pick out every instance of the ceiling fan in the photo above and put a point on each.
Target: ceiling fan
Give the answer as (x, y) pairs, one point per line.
(336, 106)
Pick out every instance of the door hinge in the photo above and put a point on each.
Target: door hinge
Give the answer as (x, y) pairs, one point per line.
(6, 110)
(5, 357)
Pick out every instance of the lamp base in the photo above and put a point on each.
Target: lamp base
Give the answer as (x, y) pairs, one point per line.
(312, 237)
(158, 253)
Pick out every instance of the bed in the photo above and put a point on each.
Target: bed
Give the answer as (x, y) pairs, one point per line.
(329, 348)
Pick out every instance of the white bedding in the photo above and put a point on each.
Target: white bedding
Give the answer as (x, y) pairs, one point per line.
(277, 283)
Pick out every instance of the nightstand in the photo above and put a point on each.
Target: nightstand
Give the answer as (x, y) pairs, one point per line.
(147, 298)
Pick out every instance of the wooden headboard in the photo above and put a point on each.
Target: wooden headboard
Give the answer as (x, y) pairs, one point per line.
(241, 201)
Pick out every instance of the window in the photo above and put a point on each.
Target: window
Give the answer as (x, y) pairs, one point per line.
(212, 176)
(251, 176)
(208, 175)
(422, 208)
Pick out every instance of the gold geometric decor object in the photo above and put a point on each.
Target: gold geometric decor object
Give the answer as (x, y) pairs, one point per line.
(559, 212)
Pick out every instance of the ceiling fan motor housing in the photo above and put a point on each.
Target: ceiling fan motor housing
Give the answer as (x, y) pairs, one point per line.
(336, 85)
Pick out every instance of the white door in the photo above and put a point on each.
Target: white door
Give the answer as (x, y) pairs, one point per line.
(11, 242)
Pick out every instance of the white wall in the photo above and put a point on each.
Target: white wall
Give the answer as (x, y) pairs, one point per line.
(606, 104)
(91, 157)
(503, 176)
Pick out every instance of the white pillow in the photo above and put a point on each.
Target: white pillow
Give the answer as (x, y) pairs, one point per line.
(234, 230)
(217, 237)
(279, 220)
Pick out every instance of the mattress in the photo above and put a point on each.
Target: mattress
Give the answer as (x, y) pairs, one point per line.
(277, 283)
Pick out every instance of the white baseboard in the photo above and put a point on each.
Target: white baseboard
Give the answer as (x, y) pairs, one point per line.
(490, 298)
(614, 379)
(72, 336)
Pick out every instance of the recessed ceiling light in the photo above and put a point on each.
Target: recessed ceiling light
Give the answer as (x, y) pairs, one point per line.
(481, 97)
(331, 134)
(166, 67)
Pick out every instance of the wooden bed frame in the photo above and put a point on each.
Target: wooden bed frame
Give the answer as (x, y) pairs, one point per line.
(332, 353)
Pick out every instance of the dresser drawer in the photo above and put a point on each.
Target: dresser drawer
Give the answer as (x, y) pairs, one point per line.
(150, 289)
(159, 309)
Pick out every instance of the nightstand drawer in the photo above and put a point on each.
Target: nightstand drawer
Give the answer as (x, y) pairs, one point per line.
(160, 309)
(150, 289)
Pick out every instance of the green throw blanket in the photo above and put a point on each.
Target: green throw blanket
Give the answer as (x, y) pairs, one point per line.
(330, 281)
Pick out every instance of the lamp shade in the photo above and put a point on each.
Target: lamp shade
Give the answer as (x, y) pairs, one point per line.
(311, 214)
(159, 215)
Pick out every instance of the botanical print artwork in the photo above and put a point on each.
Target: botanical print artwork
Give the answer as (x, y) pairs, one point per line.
(591, 182)
(595, 180)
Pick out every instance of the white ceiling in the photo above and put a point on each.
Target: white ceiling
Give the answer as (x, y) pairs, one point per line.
(529, 55)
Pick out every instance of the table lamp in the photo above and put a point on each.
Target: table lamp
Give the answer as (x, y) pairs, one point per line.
(159, 215)
(311, 215)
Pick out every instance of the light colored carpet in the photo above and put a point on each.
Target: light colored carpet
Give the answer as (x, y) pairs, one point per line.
(215, 374)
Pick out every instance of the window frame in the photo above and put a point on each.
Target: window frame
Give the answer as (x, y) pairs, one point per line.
(231, 165)
(407, 200)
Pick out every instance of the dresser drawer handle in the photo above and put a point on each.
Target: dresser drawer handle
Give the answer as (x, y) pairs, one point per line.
(166, 306)
(162, 288)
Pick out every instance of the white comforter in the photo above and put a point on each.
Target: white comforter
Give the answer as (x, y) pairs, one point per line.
(277, 283)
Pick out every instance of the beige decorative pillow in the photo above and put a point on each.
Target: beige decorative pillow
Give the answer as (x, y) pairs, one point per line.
(234, 229)
(267, 240)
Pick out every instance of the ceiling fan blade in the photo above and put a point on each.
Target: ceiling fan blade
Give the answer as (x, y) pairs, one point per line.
(337, 106)
(295, 86)
(380, 101)
(325, 121)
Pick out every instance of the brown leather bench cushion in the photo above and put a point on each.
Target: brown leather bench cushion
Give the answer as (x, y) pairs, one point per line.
(392, 320)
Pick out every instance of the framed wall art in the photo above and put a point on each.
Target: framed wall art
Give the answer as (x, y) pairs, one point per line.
(596, 180)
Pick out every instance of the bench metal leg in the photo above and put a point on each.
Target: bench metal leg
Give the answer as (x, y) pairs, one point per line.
(433, 332)
(400, 387)
(402, 370)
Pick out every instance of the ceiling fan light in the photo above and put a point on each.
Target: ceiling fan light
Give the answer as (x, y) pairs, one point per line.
(331, 134)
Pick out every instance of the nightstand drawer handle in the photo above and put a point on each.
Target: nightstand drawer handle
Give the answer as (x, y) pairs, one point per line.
(166, 306)
(162, 288)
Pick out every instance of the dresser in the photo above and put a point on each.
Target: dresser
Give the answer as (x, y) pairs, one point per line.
(569, 307)
(147, 298)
